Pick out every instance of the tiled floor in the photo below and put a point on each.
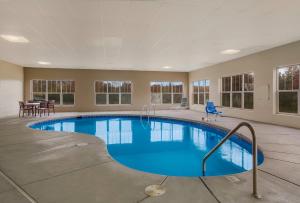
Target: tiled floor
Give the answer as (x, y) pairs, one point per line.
(50, 168)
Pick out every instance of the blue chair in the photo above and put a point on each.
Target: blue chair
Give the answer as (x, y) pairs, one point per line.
(212, 109)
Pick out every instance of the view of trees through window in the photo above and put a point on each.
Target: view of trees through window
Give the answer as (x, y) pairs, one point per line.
(238, 91)
(288, 89)
(200, 91)
(166, 92)
(61, 91)
(113, 92)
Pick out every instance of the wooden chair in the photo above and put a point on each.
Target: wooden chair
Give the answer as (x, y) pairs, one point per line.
(51, 105)
(43, 108)
(23, 108)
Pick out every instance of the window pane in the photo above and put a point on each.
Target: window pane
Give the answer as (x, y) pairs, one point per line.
(39, 86)
(206, 97)
(288, 102)
(155, 87)
(237, 83)
(285, 76)
(166, 87)
(195, 87)
(195, 98)
(126, 87)
(206, 86)
(248, 100)
(237, 100)
(53, 86)
(100, 98)
(114, 87)
(101, 86)
(58, 86)
(201, 98)
(68, 99)
(226, 99)
(43, 86)
(295, 78)
(249, 82)
(177, 87)
(64, 86)
(156, 98)
(167, 99)
(113, 98)
(201, 85)
(35, 86)
(50, 86)
(177, 98)
(55, 97)
(226, 84)
(72, 86)
(68, 86)
(38, 96)
(126, 99)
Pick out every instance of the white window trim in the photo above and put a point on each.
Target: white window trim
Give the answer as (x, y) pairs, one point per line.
(242, 92)
(277, 91)
(198, 93)
(107, 94)
(61, 93)
(161, 93)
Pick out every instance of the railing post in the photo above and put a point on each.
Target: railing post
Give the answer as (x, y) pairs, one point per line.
(254, 154)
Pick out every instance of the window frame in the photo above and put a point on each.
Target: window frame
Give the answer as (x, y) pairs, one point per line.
(198, 92)
(108, 93)
(278, 91)
(61, 93)
(243, 91)
(161, 92)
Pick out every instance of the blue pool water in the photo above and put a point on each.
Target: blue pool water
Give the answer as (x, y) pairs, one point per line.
(162, 146)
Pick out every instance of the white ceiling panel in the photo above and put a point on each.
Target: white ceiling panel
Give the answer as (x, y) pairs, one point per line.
(143, 34)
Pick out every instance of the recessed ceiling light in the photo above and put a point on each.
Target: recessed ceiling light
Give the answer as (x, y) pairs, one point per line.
(44, 63)
(230, 51)
(167, 67)
(15, 38)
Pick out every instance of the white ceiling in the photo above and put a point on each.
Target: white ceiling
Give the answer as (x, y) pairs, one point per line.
(143, 34)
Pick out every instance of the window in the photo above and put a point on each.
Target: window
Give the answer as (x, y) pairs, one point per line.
(113, 92)
(288, 89)
(61, 91)
(226, 88)
(238, 91)
(201, 91)
(237, 88)
(177, 88)
(166, 92)
(54, 91)
(249, 91)
(39, 89)
(68, 89)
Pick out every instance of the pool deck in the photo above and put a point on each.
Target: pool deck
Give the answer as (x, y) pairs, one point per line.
(52, 167)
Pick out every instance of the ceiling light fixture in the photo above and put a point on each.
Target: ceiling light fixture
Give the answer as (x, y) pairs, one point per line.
(14, 38)
(167, 67)
(44, 63)
(230, 51)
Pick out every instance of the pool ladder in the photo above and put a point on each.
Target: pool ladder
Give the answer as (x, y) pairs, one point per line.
(254, 154)
(146, 111)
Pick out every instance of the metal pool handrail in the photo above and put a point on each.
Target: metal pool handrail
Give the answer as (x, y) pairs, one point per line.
(147, 110)
(254, 154)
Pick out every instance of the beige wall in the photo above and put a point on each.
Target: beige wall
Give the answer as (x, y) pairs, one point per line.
(11, 88)
(263, 66)
(84, 79)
